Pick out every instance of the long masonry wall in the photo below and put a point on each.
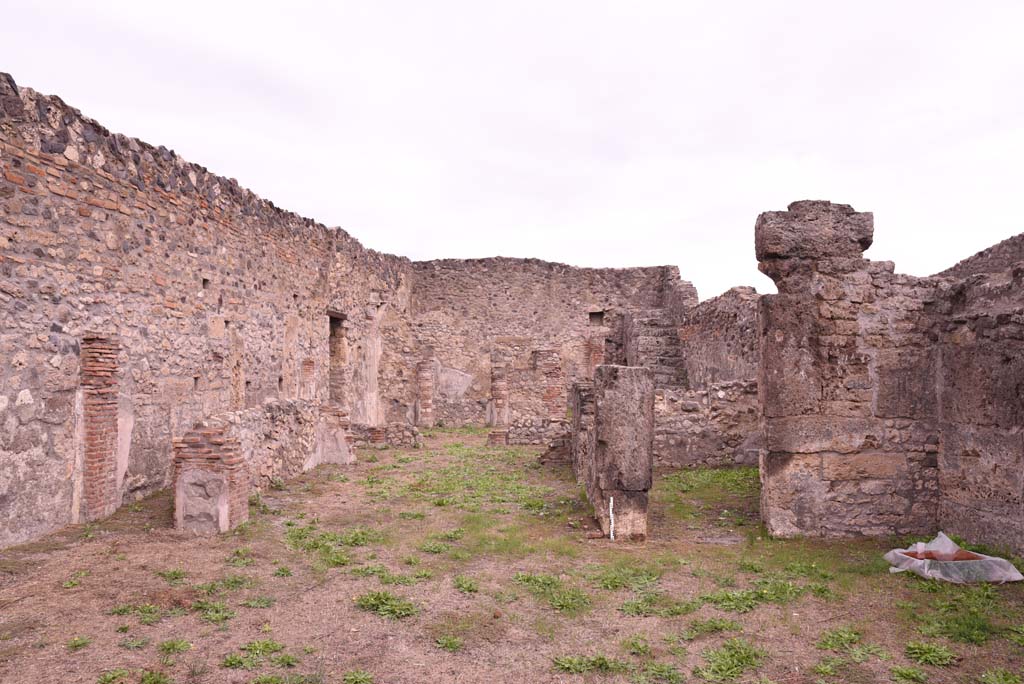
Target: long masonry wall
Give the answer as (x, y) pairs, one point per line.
(211, 300)
(545, 324)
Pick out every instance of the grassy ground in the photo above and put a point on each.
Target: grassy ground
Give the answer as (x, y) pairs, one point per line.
(463, 563)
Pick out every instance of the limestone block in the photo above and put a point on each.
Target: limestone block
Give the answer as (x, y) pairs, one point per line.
(201, 502)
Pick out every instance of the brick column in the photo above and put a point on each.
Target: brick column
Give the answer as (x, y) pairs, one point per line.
(425, 393)
(548, 364)
(211, 484)
(99, 386)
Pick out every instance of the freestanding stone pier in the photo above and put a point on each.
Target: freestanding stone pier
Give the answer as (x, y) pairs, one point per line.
(613, 454)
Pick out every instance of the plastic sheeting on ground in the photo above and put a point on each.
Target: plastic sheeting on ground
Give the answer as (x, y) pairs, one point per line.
(943, 559)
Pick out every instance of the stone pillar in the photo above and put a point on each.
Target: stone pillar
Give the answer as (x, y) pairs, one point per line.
(581, 433)
(548, 365)
(618, 472)
(846, 381)
(211, 484)
(99, 416)
(498, 409)
(425, 393)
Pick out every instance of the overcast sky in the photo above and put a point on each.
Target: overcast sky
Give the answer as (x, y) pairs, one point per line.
(598, 134)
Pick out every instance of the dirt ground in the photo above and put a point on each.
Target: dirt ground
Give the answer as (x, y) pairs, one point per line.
(459, 562)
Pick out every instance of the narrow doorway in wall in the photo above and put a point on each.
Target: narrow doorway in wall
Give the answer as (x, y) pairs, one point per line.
(338, 349)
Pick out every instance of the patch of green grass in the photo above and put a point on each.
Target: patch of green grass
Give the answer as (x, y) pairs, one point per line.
(829, 667)
(999, 676)
(451, 535)
(657, 673)
(558, 595)
(924, 653)
(173, 646)
(360, 536)
(147, 613)
(863, 652)
(467, 585)
(226, 584)
(285, 660)
(78, 643)
(412, 515)
(627, 574)
(649, 603)
(357, 677)
(134, 644)
(637, 645)
(574, 664)
(283, 571)
(838, 639)
(729, 662)
(431, 546)
(962, 614)
(699, 628)
(327, 546)
(259, 602)
(907, 675)
(741, 481)
(241, 557)
(173, 577)
(76, 579)
(386, 605)
(153, 677)
(215, 612)
(1016, 635)
(387, 577)
(118, 676)
(734, 600)
(448, 642)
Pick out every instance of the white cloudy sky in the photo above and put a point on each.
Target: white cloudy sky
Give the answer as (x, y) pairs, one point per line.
(598, 134)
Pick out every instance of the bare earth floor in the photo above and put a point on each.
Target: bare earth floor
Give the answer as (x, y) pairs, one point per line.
(460, 562)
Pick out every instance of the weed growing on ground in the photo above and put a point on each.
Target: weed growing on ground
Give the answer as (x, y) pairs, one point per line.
(449, 643)
(553, 590)
(215, 612)
(259, 602)
(173, 646)
(637, 645)
(924, 653)
(657, 673)
(283, 571)
(838, 639)
(572, 664)
(626, 574)
(999, 676)
(134, 644)
(466, 585)
(357, 677)
(152, 677)
(727, 663)
(173, 577)
(655, 603)
(78, 643)
(430, 546)
(118, 676)
(699, 628)
(908, 675)
(241, 558)
(386, 605)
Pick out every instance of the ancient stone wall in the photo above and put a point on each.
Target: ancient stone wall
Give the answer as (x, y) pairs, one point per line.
(716, 425)
(719, 339)
(981, 392)
(216, 299)
(464, 311)
(847, 381)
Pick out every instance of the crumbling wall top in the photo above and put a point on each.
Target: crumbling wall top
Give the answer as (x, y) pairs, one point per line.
(810, 229)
